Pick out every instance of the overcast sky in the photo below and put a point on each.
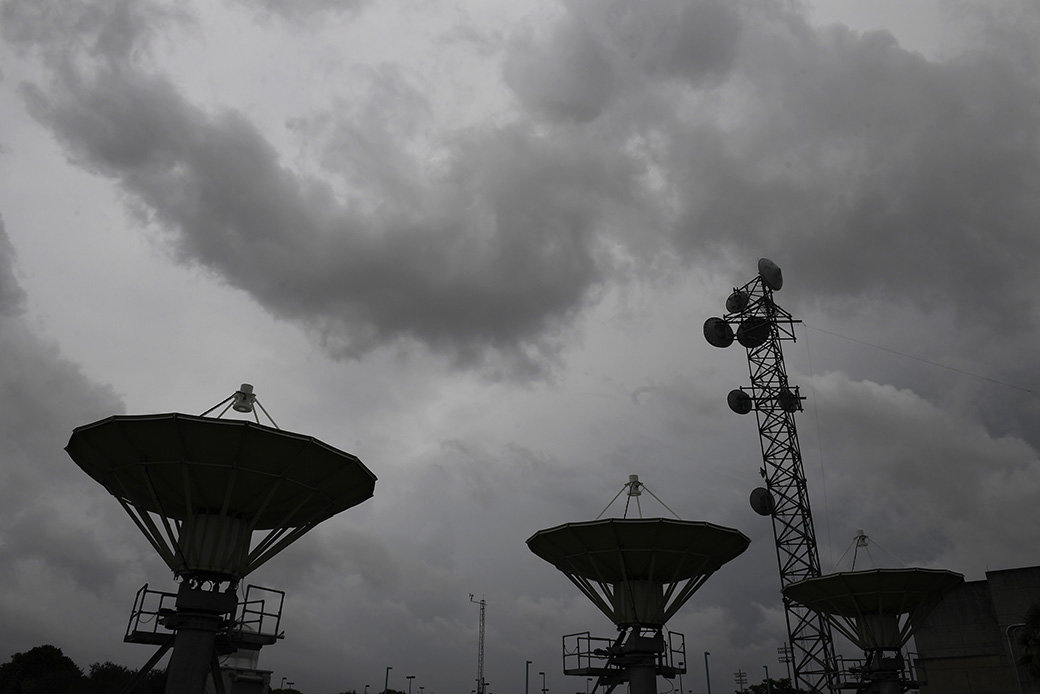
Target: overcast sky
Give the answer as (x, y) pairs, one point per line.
(474, 243)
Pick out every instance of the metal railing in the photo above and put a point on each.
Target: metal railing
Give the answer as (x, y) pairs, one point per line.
(257, 619)
(259, 615)
(150, 606)
(849, 671)
(584, 654)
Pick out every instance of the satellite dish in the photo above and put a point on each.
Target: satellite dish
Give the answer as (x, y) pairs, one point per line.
(770, 274)
(739, 401)
(216, 483)
(737, 301)
(762, 501)
(638, 571)
(875, 609)
(789, 402)
(718, 333)
(216, 498)
(753, 332)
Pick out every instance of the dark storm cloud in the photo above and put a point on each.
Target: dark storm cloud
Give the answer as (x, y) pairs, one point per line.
(906, 178)
(707, 130)
(494, 252)
(301, 11)
(566, 78)
(889, 185)
(56, 534)
(115, 32)
(934, 486)
(12, 298)
(597, 52)
(44, 398)
(899, 176)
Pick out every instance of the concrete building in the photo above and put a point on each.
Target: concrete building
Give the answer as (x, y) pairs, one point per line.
(969, 641)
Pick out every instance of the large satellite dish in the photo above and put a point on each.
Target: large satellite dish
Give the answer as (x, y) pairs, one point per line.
(867, 606)
(638, 571)
(216, 498)
(219, 481)
(875, 609)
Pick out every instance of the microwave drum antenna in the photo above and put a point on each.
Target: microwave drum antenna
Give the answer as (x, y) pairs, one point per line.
(770, 274)
(718, 332)
(762, 501)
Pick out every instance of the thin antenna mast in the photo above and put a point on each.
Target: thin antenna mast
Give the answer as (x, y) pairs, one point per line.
(481, 684)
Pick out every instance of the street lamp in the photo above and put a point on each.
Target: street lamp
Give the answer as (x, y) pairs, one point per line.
(366, 688)
(707, 676)
(527, 675)
(386, 680)
(409, 678)
(282, 684)
(769, 685)
(544, 690)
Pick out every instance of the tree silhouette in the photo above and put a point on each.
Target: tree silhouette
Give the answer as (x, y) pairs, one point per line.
(46, 670)
(41, 670)
(780, 686)
(110, 678)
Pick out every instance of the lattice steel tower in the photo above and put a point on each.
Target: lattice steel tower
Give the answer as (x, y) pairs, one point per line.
(761, 326)
(481, 684)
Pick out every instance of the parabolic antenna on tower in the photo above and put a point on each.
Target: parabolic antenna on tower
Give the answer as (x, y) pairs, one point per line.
(218, 481)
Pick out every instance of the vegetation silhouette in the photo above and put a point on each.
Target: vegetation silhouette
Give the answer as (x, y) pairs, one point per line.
(780, 686)
(46, 670)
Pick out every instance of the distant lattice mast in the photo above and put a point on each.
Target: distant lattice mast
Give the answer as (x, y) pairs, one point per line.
(761, 326)
(481, 685)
